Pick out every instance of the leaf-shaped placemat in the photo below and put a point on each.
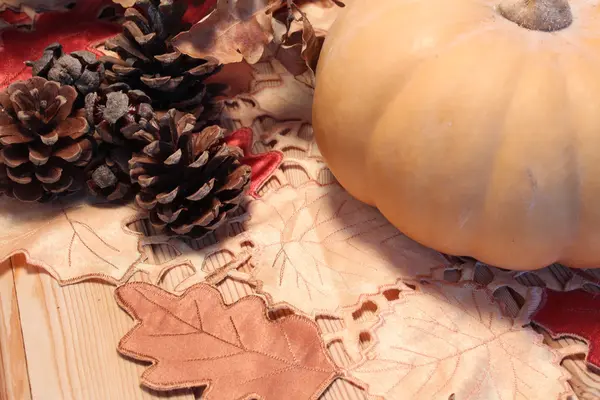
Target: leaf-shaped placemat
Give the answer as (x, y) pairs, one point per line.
(72, 242)
(195, 340)
(319, 248)
(442, 340)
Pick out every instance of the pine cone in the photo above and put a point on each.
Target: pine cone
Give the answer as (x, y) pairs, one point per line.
(150, 63)
(79, 68)
(108, 175)
(43, 145)
(189, 180)
(124, 122)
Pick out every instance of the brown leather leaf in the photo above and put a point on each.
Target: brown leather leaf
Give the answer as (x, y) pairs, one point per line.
(196, 340)
(236, 30)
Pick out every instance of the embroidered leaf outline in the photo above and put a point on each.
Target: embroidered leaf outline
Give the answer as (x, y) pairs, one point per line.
(442, 340)
(320, 248)
(72, 242)
(575, 313)
(196, 340)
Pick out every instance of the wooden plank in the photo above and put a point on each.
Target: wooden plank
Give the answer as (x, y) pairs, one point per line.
(70, 336)
(14, 379)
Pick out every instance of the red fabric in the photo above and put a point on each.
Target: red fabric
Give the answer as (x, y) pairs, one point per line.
(263, 165)
(575, 313)
(76, 29)
(15, 18)
(198, 10)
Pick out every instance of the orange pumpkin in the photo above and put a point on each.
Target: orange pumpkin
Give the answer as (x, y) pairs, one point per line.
(473, 125)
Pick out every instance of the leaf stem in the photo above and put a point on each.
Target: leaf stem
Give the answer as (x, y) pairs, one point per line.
(537, 15)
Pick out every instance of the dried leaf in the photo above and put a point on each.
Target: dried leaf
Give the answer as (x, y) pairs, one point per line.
(195, 340)
(575, 314)
(236, 30)
(72, 242)
(76, 29)
(319, 248)
(444, 340)
(237, 76)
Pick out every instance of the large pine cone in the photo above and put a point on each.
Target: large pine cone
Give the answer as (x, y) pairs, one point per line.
(43, 146)
(79, 68)
(189, 180)
(149, 62)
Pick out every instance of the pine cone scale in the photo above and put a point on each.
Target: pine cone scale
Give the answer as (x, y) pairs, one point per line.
(39, 154)
(49, 175)
(15, 156)
(28, 192)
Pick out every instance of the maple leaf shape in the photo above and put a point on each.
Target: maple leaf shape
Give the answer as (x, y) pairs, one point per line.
(195, 340)
(72, 242)
(263, 165)
(445, 339)
(574, 313)
(234, 31)
(76, 29)
(319, 248)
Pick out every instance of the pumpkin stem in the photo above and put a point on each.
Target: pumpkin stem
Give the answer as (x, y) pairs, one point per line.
(538, 15)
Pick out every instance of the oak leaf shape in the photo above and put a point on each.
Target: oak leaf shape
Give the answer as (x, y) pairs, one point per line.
(262, 165)
(443, 339)
(196, 340)
(575, 313)
(319, 248)
(72, 242)
(236, 30)
(76, 29)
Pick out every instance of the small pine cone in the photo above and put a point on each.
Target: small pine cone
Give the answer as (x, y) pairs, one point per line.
(80, 69)
(43, 145)
(149, 62)
(120, 116)
(189, 180)
(108, 175)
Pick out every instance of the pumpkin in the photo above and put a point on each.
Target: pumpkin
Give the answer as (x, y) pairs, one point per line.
(472, 125)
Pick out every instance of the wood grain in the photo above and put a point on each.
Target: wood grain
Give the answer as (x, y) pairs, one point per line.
(14, 378)
(70, 335)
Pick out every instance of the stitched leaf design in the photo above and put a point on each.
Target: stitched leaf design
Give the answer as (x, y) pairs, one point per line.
(72, 242)
(448, 339)
(195, 340)
(321, 248)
